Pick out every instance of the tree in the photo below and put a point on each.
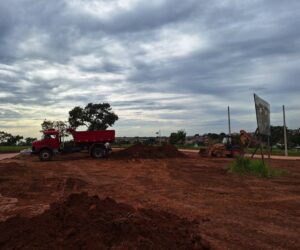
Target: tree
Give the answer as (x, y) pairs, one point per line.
(276, 135)
(29, 140)
(4, 137)
(93, 116)
(213, 136)
(14, 140)
(178, 137)
(295, 138)
(7, 139)
(58, 125)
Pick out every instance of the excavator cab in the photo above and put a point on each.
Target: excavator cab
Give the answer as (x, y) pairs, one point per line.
(229, 147)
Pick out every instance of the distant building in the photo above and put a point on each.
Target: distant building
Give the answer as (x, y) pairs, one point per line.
(144, 140)
(194, 140)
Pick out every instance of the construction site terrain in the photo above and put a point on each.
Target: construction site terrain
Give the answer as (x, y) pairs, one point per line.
(184, 194)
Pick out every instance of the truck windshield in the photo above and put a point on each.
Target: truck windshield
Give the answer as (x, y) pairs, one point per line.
(47, 136)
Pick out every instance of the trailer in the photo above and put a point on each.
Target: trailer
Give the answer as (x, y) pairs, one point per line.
(96, 143)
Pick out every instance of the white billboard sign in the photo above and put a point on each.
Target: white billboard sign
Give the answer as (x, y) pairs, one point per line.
(262, 115)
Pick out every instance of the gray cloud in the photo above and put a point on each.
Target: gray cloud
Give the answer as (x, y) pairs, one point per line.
(180, 62)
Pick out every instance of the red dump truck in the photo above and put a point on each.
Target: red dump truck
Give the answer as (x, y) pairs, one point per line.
(97, 143)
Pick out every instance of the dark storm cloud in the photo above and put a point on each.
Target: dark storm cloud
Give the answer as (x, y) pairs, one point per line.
(212, 53)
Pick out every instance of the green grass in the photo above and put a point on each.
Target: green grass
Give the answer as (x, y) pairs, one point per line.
(276, 151)
(11, 149)
(291, 152)
(248, 166)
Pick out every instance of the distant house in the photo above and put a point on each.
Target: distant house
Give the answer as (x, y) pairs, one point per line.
(194, 140)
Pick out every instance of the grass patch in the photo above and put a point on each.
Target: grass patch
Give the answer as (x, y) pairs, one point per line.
(276, 151)
(248, 166)
(12, 149)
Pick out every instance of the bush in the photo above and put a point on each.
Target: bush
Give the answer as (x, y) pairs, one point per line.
(249, 166)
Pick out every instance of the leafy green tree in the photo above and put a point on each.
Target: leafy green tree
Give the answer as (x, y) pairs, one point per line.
(7, 139)
(276, 135)
(47, 124)
(94, 116)
(173, 138)
(294, 138)
(213, 136)
(177, 137)
(58, 125)
(29, 140)
(14, 140)
(4, 137)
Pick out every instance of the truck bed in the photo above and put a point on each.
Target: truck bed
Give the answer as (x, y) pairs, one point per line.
(100, 136)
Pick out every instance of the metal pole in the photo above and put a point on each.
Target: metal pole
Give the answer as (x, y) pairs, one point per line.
(269, 148)
(284, 132)
(229, 125)
(159, 137)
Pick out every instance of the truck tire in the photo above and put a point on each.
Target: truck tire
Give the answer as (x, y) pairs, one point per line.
(45, 155)
(98, 152)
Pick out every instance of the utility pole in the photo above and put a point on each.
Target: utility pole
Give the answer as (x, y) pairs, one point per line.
(284, 132)
(160, 137)
(229, 125)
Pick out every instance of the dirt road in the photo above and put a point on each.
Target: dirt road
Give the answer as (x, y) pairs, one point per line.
(275, 157)
(7, 156)
(235, 212)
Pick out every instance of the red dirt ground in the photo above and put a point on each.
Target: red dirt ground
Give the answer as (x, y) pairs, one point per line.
(83, 222)
(234, 212)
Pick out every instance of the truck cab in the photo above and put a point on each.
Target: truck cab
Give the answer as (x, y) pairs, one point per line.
(49, 144)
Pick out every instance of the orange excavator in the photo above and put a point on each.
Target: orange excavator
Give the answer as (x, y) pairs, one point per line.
(227, 148)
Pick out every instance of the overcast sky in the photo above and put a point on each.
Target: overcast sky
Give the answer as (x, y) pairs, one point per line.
(161, 64)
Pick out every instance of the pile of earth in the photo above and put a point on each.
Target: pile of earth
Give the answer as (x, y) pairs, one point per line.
(84, 222)
(149, 152)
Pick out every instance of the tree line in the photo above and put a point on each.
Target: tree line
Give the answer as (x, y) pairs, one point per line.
(7, 139)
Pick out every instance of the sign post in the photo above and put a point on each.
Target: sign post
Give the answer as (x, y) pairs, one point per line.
(262, 109)
(229, 125)
(284, 132)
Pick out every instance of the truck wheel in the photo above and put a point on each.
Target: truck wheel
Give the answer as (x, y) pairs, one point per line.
(98, 152)
(45, 155)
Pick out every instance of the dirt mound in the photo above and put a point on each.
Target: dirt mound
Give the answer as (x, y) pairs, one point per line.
(83, 222)
(12, 168)
(149, 152)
